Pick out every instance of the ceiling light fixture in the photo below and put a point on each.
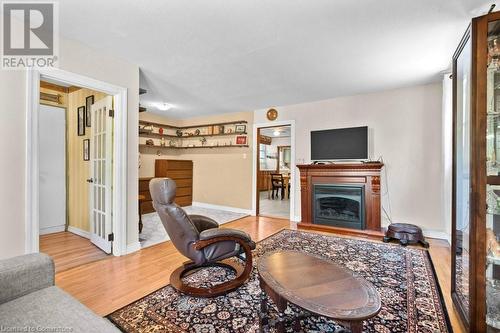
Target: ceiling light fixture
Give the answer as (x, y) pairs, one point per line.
(162, 106)
(276, 132)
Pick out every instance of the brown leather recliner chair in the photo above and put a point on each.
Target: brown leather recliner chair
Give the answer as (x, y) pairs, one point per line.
(200, 239)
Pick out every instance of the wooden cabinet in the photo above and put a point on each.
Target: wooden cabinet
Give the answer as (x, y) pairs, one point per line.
(147, 204)
(475, 276)
(182, 172)
(264, 179)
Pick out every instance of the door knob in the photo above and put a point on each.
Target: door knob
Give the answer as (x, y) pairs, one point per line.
(90, 180)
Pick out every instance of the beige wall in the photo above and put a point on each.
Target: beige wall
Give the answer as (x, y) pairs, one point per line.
(78, 169)
(221, 176)
(80, 59)
(406, 131)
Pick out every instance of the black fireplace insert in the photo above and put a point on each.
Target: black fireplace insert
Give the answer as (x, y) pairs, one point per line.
(339, 205)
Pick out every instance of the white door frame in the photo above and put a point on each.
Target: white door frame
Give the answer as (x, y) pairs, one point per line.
(293, 172)
(32, 153)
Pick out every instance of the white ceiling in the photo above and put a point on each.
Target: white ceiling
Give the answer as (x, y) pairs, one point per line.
(281, 131)
(217, 56)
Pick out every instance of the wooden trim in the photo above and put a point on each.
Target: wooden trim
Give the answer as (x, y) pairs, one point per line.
(50, 97)
(477, 272)
(257, 161)
(53, 86)
(372, 234)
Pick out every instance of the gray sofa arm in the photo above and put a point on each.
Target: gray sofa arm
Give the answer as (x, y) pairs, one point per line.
(25, 274)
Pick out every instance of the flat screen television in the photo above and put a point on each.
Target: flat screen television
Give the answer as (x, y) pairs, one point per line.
(340, 144)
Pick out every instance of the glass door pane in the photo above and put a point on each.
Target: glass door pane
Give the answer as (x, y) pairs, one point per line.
(462, 176)
(493, 170)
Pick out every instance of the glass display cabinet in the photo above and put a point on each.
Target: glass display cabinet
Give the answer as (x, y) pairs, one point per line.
(475, 278)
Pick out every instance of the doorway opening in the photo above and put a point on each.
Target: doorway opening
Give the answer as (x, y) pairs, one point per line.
(275, 171)
(74, 172)
(75, 164)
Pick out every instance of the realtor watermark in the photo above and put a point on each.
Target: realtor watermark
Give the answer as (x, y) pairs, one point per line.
(30, 35)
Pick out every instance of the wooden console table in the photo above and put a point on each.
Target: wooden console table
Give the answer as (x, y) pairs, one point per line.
(367, 174)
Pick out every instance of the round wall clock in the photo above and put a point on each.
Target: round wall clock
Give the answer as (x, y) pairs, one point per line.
(272, 114)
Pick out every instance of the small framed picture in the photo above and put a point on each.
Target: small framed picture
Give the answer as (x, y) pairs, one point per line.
(88, 103)
(241, 140)
(81, 120)
(86, 149)
(240, 128)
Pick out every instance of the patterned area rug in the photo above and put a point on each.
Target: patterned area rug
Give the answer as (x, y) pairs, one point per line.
(404, 277)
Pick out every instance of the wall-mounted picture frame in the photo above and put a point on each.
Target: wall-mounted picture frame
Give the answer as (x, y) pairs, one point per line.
(89, 100)
(240, 128)
(81, 120)
(86, 149)
(241, 140)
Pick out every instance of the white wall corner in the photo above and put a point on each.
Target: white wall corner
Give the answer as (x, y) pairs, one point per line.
(436, 234)
(79, 232)
(224, 208)
(134, 247)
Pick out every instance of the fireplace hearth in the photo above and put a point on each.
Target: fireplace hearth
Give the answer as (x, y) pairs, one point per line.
(339, 205)
(342, 198)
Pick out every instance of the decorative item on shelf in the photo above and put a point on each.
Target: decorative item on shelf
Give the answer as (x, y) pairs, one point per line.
(265, 140)
(145, 129)
(210, 130)
(221, 129)
(86, 150)
(229, 131)
(190, 133)
(272, 114)
(492, 243)
(241, 140)
(179, 133)
(197, 131)
(150, 142)
(160, 130)
(240, 128)
(89, 100)
(81, 120)
(203, 141)
(158, 152)
(162, 142)
(171, 143)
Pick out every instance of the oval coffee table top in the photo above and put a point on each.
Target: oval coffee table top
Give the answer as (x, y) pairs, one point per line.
(319, 286)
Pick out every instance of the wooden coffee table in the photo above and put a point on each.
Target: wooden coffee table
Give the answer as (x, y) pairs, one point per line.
(318, 286)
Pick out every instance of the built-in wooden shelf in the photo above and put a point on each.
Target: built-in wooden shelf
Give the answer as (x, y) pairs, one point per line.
(195, 147)
(154, 134)
(158, 135)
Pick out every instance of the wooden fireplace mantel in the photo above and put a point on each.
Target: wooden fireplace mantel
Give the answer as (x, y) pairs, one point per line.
(367, 174)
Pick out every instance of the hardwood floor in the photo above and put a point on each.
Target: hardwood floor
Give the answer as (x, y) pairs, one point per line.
(109, 284)
(69, 250)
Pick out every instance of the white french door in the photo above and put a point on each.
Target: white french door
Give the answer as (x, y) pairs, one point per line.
(101, 181)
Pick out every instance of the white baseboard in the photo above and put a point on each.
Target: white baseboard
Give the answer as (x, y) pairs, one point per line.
(224, 208)
(51, 230)
(79, 232)
(134, 247)
(436, 234)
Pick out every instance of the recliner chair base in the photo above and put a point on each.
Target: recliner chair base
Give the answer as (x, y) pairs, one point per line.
(242, 272)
